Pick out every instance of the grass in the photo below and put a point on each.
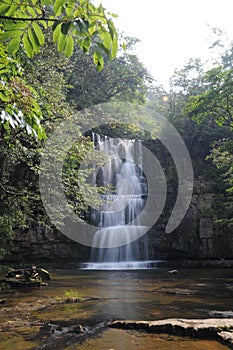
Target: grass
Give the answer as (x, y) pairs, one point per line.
(70, 296)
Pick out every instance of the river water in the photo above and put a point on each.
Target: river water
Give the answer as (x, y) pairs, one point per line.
(137, 294)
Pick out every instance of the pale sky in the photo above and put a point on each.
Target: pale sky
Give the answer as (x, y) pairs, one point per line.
(171, 31)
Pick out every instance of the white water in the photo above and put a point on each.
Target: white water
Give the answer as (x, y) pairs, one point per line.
(116, 218)
(121, 265)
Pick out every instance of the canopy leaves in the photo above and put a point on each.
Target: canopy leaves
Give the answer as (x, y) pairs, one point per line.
(69, 20)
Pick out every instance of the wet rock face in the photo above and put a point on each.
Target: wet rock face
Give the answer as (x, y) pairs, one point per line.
(40, 243)
(197, 236)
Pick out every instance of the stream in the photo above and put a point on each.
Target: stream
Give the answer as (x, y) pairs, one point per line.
(107, 295)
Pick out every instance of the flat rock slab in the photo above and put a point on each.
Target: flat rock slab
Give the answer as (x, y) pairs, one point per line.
(227, 337)
(210, 328)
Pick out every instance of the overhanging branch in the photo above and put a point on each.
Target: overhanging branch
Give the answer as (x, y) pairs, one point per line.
(23, 19)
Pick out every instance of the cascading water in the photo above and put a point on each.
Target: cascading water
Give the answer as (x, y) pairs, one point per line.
(122, 172)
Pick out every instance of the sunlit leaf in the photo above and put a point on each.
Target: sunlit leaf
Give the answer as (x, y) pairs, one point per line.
(27, 46)
(13, 46)
(114, 47)
(4, 8)
(31, 11)
(61, 43)
(98, 60)
(70, 9)
(9, 25)
(56, 32)
(107, 40)
(86, 44)
(57, 6)
(38, 32)
(4, 97)
(10, 34)
(34, 40)
(69, 48)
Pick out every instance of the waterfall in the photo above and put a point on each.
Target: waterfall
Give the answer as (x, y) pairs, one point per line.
(123, 172)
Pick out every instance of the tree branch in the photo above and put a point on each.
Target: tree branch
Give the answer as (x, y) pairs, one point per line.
(23, 19)
(9, 192)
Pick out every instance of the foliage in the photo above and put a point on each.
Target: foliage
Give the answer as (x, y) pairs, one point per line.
(222, 157)
(18, 100)
(70, 296)
(216, 101)
(6, 233)
(28, 26)
(122, 79)
(69, 21)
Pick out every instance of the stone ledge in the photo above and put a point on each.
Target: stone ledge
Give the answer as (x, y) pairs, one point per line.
(227, 337)
(211, 328)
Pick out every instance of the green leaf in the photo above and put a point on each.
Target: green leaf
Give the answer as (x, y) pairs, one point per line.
(41, 133)
(98, 60)
(111, 29)
(31, 12)
(86, 44)
(44, 24)
(46, 2)
(3, 71)
(92, 28)
(9, 25)
(58, 5)
(33, 39)
(114, 48)
(27, 46)
(51, 22)
(107, 40)
(124, 47)
(102, 47)
(10, 34)
(4, 8)
(13, 46)
(69, 48)
(61, 43)
(56, 32)
(38, 32)
(70, 9)
(12, 10)
(4, 97)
